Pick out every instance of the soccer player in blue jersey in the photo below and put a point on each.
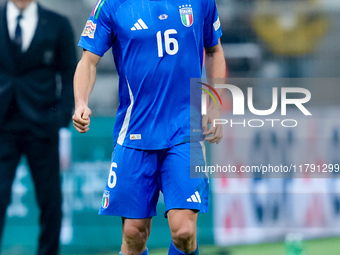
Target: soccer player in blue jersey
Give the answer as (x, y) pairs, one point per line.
(158, 46)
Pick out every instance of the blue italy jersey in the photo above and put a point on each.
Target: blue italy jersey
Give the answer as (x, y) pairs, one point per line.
(157, 47)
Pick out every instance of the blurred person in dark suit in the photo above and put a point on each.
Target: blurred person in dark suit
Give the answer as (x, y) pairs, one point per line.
(37, 64)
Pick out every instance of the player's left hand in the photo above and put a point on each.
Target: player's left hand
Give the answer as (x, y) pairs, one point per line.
(81, 119)
(216, 131)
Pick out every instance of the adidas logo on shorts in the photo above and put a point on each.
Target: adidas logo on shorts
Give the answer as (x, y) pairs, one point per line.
(195, 198)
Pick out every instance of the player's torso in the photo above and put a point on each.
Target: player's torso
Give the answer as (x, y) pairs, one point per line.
(158, 47)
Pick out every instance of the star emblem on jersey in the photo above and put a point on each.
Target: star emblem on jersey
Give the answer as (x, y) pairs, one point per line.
(163, 16)
(187, 16)
(195, 198)
(139, 25)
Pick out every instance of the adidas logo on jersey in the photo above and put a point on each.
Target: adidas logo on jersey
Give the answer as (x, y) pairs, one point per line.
(139, 25)
(195, 198)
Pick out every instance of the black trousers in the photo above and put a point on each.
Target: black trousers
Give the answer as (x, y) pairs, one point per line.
(43, 160)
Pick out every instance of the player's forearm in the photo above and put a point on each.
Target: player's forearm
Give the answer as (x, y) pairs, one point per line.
(215, 67)
(84, 80)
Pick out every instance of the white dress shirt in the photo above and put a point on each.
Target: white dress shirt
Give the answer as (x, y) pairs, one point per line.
(28, 22)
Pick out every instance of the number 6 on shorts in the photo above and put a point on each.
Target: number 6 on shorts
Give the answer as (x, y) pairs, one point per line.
(112, 180)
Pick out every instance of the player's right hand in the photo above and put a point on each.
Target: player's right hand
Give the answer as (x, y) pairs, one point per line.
(81, 119)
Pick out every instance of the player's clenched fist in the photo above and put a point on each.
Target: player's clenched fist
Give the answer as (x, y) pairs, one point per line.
(81, 119)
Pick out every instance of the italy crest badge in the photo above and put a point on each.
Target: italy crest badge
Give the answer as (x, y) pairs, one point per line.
(187, 15)
(106, 197)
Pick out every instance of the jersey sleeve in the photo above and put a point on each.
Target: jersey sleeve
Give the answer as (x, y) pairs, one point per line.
(212, 25)
(97, 34)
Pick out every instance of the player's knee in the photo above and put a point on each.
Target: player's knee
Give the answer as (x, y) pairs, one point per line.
(135, 236)
(183, 236)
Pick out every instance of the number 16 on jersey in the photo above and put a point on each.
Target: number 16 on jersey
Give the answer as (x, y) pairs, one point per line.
(171, 44)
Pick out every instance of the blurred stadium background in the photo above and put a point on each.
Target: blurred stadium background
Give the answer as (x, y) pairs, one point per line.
(265, 39)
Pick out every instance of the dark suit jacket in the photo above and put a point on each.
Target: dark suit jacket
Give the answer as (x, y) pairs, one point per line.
(41, 79)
